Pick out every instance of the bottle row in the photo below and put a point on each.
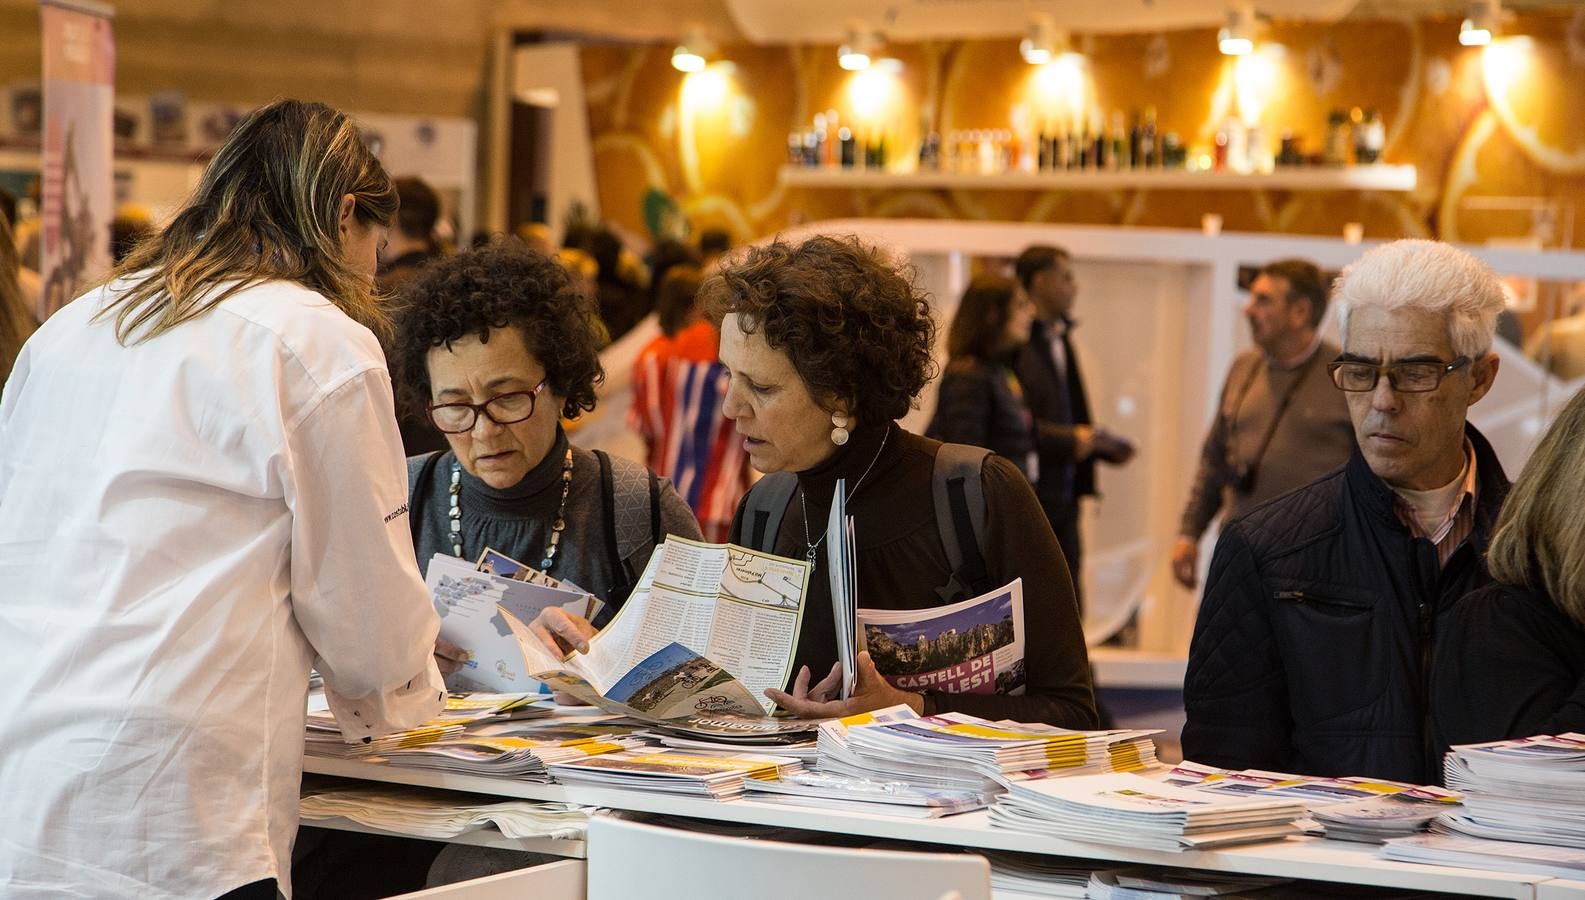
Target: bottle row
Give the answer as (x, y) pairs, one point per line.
(1085, 145)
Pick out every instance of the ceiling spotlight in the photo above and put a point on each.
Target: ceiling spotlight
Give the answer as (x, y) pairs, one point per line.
(690, 54)
(1478, 28)
(1042, 41)
(1237, 37)
(856, 50)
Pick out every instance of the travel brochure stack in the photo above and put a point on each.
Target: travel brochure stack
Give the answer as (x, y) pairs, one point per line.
(1364, 810)
(441, 815)
(522, 755)
(1129, 809)
(323, 736)
(1524, 809)
(670, 772)
(958, 752)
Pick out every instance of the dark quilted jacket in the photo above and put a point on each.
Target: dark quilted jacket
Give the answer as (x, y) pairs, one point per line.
(1312, 649)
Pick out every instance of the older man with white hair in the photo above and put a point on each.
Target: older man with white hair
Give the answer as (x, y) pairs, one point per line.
(1313, 645)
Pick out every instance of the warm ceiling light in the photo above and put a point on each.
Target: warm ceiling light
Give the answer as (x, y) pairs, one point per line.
(855, 52)
(1478, 28)
(1237, 37)
(690, 54)
(1042, 42)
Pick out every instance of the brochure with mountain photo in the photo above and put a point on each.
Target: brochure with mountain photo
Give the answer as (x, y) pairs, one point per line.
(972, 647)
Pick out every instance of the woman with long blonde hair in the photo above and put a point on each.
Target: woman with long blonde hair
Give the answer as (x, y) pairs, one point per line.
(202, 494)
(1510, 657)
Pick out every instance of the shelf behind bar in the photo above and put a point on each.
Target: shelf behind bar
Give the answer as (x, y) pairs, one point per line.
(1310, 858)
(1354, 178)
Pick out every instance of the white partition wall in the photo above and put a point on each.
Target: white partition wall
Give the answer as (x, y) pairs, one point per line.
(1160, 320)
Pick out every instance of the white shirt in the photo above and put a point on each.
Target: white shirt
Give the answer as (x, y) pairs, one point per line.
(185, 525)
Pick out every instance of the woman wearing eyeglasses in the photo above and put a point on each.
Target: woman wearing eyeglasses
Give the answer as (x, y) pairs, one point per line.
(500, 346)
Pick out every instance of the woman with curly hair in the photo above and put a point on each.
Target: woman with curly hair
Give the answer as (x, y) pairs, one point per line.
(499, 346)
(980, 401)
(827, 344)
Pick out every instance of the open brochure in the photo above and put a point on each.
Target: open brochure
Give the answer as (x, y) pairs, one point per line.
(972, 647)
(707, 630)
(469, 602)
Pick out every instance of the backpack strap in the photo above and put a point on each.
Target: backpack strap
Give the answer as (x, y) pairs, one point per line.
(764, 507)
(418, 495)
(631, 496)
(959, 495)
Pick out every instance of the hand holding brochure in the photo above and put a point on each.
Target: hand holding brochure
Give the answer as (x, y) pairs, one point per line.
(707, 629)
(469, 603)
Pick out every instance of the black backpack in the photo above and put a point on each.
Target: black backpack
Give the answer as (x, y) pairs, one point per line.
(960, 516)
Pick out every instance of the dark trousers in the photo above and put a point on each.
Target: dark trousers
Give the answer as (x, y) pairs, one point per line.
(1065, 523)
(258, 890)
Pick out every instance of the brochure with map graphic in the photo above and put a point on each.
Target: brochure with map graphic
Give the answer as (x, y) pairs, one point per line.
(707, 629)
(469, 602)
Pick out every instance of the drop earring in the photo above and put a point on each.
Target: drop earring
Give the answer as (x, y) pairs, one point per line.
(839, 429)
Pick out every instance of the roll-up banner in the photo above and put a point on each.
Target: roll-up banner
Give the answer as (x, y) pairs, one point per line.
(79, 141)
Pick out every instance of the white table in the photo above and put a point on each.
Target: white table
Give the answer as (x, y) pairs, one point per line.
(1300, 857)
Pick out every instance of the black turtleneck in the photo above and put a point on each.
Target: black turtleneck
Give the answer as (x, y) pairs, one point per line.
(901, 562)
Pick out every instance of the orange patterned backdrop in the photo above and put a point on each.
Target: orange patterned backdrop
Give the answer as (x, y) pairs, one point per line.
(1505, 123)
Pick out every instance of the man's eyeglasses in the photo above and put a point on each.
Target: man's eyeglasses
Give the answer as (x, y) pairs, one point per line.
(1405, 378)
(502, 409)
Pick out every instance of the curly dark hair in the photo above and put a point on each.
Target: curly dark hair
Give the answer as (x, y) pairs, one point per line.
(496, 286)
(855, 325)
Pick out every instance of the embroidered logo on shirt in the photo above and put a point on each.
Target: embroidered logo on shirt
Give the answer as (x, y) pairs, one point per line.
(399, 511)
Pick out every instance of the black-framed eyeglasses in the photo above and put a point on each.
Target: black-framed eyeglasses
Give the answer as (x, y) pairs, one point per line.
(502, 409)
(1405, 378)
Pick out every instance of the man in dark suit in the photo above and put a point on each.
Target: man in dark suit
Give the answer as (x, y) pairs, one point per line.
(1065, 438)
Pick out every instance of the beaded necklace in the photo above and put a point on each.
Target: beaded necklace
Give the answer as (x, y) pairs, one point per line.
(558, 525)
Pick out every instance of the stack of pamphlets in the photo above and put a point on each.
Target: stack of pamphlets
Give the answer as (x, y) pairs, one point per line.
(1156, 883)
(438, 815)
(1530, 790)
(323, 736)
(506, 756)
(1479, 853)
(890, 798)
(719, 777)
(801, 748)
(958, 752)
(1131, 810)
(1358, 809)
(1038, 875)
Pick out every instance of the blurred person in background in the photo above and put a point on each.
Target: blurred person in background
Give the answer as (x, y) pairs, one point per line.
(980, 401)
(1510, 657)
(714, 243)
(679, 387)
(16, 322)
(1280, 422)
(619, 290)
(1068, 442)
(131, 225)
(412, 243)
(28, 284)
(202, 496)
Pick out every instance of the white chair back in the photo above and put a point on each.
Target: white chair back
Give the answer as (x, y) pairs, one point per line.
(562, 880)
(630, 859)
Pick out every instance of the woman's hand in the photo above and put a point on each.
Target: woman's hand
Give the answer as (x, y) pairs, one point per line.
(870, 691)
(448, 656)
(562, 632)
